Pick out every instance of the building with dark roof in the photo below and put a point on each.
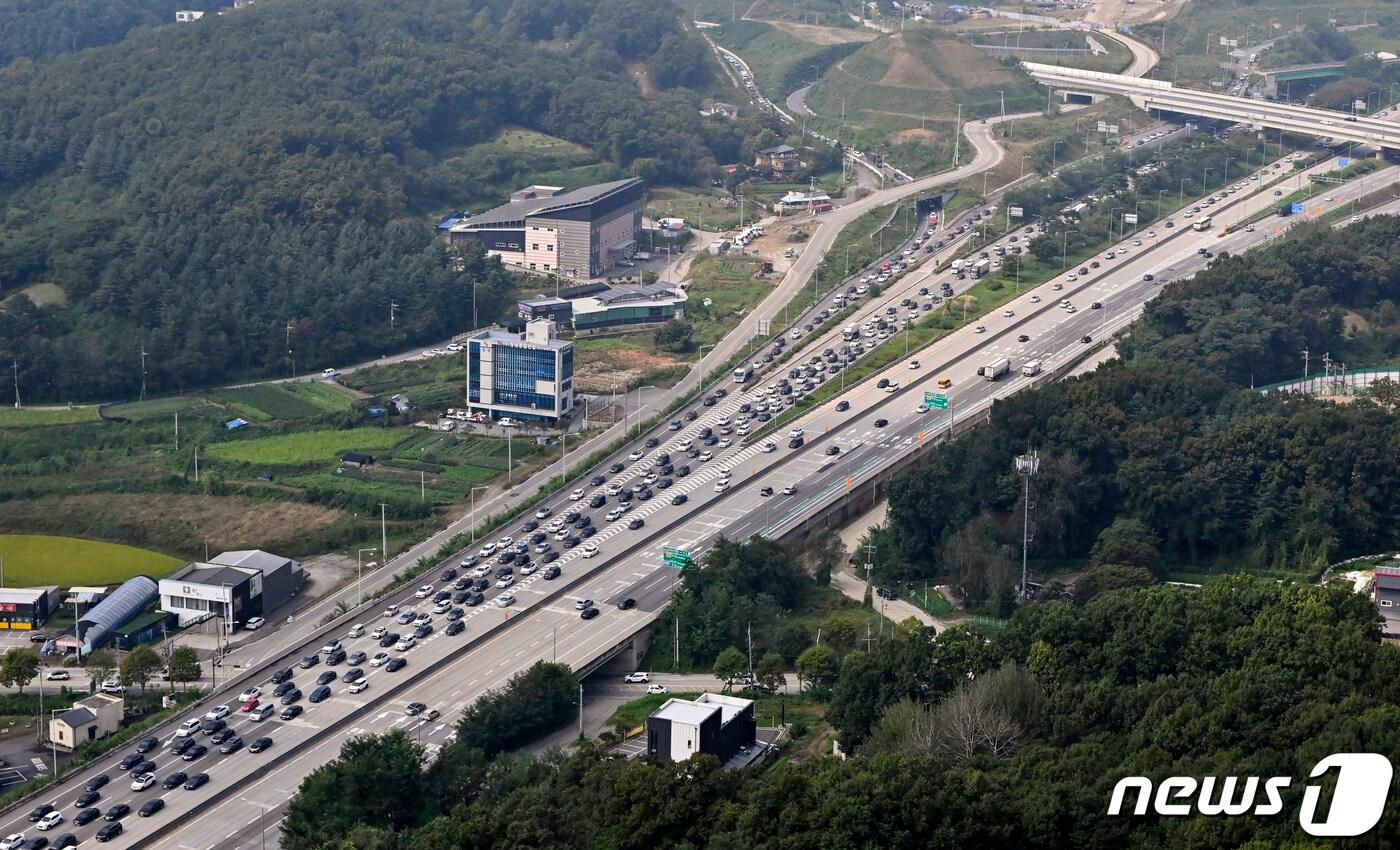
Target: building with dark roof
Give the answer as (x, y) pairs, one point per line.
(96, 626)
(578, 234)
(27, 607)
(714, 724)
(1385, 592)
(234, 587)
(782, 160)
(89, 719)
(621, 306)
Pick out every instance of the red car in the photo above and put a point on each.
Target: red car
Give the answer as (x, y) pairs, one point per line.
(249, 705)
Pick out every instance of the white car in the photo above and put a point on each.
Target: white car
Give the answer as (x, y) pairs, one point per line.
(892, 388)
(654, 688)
(49, 821)
(790, 490)
(613, 489)
(333, 645)
(379, 660)
(505, 542)
(637, 678)
(1035, 299)
(980, 329)
(706, 455)
(423, 593)
(142, 781)
(486, 551)
(721, 486)
(379, 632)
(250, 693)
(577, 494)
(770, 446)
(406, 643)
(636, 455)
(358, 685)
(529, 568)
(724, 442)
(1008, 313)
(590, 549)
(356, 630)
(505, 600)
(481, 570)
(12, 842)
(328, 373)
(614, 514)
(188, 728)
(913, 364)
(796, 432)
(254, 623)
(505, 580)
(390, 611)
(218, 712)
(57, 675)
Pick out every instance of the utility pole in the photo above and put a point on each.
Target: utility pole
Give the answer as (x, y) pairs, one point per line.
(394, 306)
(869, 563)
(957, 137)
(15, 365)
(1305, 363)
(676, 646)
(291, 363)
(383, 533)
(1027, 465)
(177, 430)
(750, 628)
(143, 371)
(580, 709)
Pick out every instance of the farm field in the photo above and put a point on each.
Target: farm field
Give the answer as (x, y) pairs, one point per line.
(306, 447)
(300, 400)
(34, 418)
(33, 560)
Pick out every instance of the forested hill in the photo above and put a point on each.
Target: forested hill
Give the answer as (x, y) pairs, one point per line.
(193, 189)
(34, 29)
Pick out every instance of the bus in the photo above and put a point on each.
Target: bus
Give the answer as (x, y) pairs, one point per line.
(743, 373)
(1202, 225)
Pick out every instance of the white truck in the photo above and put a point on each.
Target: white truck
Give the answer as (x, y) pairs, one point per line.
(980, 268)
(995, 369)
(1030, 367)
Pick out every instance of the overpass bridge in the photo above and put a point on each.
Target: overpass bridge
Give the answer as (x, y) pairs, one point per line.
(1162, 96)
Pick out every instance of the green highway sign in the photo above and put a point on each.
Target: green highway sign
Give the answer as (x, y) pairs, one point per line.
(938, 401)
(677, 559)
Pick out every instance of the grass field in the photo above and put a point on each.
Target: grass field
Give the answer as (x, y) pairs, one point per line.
(301, 400)
(632, 714)
(308, 447)
(702, 210)
(732, 288)
(33, 560)
(1113, 61)
(32, 418)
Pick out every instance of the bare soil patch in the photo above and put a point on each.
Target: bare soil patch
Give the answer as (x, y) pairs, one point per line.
(906, 71)
(620, 367)
(823, 35)
(926, 137)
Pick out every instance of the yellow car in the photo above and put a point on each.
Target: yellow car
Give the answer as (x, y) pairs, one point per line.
(945, 382)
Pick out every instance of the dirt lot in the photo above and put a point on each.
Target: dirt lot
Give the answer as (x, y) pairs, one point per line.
(908, 72)
(618, 366)
(824, 35)
(176, 524)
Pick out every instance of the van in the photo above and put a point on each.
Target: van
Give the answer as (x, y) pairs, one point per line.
(945, 382)
(262, 712)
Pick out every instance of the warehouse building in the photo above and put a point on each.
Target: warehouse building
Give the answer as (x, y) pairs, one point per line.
(89, 719)
(579, 234)
(622, 306)
(97, 626)
(233, 587)
(528, 375)
(714, 724)
(27, 607)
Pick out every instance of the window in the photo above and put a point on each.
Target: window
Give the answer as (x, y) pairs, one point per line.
(1385, 603)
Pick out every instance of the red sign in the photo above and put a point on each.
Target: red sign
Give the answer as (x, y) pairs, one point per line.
(8, 608)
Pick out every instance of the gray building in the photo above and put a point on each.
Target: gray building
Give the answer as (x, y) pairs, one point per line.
(1385, 592)
(578, 234)
(97, 626)
(714, 724)
(234, 587)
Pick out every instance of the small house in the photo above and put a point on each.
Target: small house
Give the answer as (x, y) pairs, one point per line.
(357, 459)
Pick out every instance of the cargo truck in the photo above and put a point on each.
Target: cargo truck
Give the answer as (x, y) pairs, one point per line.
(980, 268)
(995, 369)
(1030, 367)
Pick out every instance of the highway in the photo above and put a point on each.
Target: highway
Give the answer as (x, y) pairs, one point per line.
(1164, 96)
(544, 622)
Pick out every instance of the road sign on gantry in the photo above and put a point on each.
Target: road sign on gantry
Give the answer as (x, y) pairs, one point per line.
(676, 559)
(939, 401)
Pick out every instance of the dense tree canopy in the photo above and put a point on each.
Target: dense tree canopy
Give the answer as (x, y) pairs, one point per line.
(35, 29)
(245, 195)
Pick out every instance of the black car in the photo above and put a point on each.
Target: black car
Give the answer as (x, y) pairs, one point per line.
(1086, 339)
(462, 583)
(521, 560)
(195, 752)
(692, 416)
(232, 745)
(459, 598)
(679, 499)
(148, 743)
(65, 841)
(86, 816)
(549, 556)
(1093, 264)
(529, 526)
(109, 831)
(354, 674)
(473, 599)
(652, 442)
(259, 745)
(130, 761)
(291, 712)
(663, 483)
(448, 575)
(389, 639)
(635, 523)
(795, 443)
(551, 573)
(502, 572)
(709, 401)
(455, 627)
(150, 807)
(481, 584)
(196, 781)
(443, 594)
(174, 780)
(456, 614)
(309, 661)
(880, 423)
(283, 675)
(321, 694)
(282, 689)
(597, 481)
(886, 593)
(327, 677)
(209, 727)
(843, 406)
(1023, 338)
(39, 811)
(627, 603)
(765, 491)
(181, 744)
(396, 665)
(292, 697)
(597, 501)
(1096, 306)
(117, 812)
(87, 798)
(222, 735)
(423, 631)
(833, 450)
(588, 613)
(615, 468)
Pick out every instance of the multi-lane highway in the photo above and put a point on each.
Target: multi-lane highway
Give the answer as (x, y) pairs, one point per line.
(447, 672)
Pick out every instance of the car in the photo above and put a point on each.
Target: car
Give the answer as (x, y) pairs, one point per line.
(789, 489)
(635, 523)
(413, 709)
(506, 580)
(423, 631)
(291, 712)
(150, 807)
(57, 675)
(49, 821)
(259, 745)
(108, 832)
(117, 812)
(423, 593)
(833, 450)
(196, 780)
(655, 688)
(218, 712)
(843, 406)
(199, 750)
(1096, 306)
(233, 744)
(637, 678)
(140, 782)
(174, 780)
(86, 816)
(1023, 338)
(327, 677)
(310, 661)
(1086, 339)
(588, 613)
(396, 665)
(130, 761)
(148, 743)
(979, 329)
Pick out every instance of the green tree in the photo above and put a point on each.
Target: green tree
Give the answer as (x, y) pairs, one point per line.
(183, 666)
(535, 701)
(377, 781)
(675, 336)
(771, 672)
(840, 633)
(19, 667)
(101, 663)
(817, 668)
(730, 665)
(139, 666)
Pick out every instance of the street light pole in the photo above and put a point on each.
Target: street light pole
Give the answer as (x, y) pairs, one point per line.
(1064, 246)
(700, 380)
(360, 575)
(473, 496)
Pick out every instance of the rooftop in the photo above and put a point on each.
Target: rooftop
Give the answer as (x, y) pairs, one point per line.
(646, 292)
(255, 558)
(24, 595)
(684, 711)
(532, 201)
(517, 339)
(728, 706)
(75, 717)
(210, 574)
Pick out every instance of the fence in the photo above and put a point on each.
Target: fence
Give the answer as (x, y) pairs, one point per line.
(1336, 382)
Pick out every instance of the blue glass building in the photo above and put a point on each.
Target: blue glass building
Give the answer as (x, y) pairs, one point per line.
(528, 376)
